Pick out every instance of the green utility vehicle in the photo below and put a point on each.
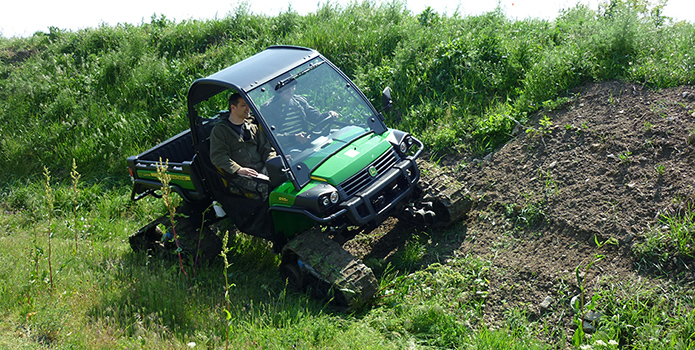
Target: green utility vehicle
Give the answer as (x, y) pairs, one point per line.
(353, 172)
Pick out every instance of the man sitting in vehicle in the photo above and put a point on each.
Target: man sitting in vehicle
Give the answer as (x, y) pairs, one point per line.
(292, 117)
(239, 147)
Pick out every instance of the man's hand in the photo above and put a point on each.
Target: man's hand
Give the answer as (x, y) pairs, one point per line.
(247, 172)
(302, 137)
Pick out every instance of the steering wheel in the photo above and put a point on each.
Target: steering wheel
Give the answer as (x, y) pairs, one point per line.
(320, 127)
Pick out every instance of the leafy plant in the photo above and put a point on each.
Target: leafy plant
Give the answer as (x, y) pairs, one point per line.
(660, 169)
(610, 241)
(50, 200)
(625, 156)
(529, 214)
(558, 103)
(545, 128)
(76, 192)
(164, 178)
(227, 286)
(580, 307)
(570, 127)
(681, 228)
(411, 255)
(550, 183)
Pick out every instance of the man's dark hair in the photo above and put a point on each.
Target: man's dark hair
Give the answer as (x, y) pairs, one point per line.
(234, 99)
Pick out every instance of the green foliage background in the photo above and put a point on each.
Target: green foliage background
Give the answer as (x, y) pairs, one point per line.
(98, 95)
(101, 94)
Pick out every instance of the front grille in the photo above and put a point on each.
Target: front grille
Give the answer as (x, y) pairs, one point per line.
(362, 179)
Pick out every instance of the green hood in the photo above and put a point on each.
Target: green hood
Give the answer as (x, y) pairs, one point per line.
(352, 158)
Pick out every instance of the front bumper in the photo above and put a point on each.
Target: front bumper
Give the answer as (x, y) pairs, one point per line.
(376, 202)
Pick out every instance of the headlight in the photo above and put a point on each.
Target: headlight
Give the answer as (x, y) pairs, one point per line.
(328, 199)
(405, 145)
(318, 199)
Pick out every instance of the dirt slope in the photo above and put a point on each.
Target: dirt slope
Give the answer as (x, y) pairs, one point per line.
(599, 169)
(611, 161)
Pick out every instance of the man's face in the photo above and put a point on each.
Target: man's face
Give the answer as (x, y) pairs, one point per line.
(241, 110)
(287, 93)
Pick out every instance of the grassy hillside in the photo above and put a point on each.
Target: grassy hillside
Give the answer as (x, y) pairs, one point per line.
(76, 104)
(101, 94)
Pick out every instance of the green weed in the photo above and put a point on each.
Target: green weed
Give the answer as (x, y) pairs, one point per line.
(660, 169)
(227, 287)
(411, 255)
(529, 214)
(637, 315)
(164, 178)
(437, 297)
(545, 128)
(612, 241)
(681, 228)
(648, 126)
(570, 127)
(76, 192)
(550, 183)
(625, 157)
(49, 209)
(670, 241)
(580, 307)
(558, 103)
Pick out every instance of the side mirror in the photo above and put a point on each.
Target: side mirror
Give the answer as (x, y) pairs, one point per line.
(386, 100)
(276, 171)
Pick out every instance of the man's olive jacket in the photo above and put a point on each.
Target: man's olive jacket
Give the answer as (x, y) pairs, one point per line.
(229, 151)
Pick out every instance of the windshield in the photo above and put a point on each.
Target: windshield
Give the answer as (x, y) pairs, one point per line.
(312, 112)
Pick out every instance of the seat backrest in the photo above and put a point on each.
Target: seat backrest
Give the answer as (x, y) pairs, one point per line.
(212, 174)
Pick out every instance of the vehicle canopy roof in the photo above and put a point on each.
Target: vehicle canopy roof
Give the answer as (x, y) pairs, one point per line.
(249, 73)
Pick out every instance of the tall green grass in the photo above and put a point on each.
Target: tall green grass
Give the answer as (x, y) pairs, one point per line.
(107, 297)
(100, 94)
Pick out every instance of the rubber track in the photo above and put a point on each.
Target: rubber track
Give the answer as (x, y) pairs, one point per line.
(450, 198)
(334, 265)
(149, 237)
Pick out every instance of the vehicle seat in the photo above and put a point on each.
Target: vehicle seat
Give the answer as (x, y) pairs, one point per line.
(217, 178)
